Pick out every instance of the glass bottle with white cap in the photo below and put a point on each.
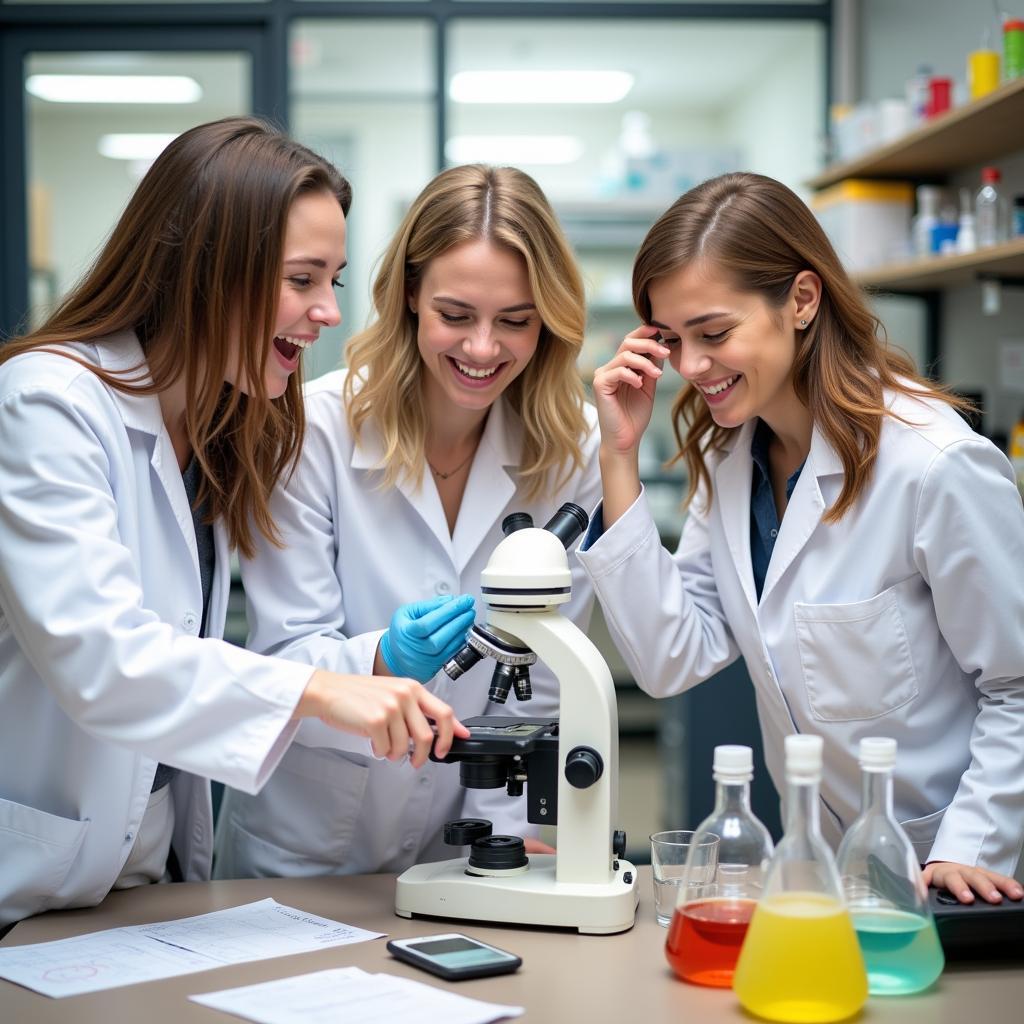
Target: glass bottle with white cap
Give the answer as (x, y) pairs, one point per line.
(800, 960)
(885, 891)
(711, 920)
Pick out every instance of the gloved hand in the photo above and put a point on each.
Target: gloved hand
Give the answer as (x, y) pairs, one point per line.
(425, 634)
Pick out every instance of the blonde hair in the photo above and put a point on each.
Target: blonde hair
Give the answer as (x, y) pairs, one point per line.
(463, 204)
(203, 237)
(761, 235)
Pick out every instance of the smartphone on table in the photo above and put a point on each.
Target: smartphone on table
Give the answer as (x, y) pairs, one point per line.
(454, 956)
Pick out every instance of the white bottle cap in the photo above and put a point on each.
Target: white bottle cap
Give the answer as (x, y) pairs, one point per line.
(733, 762)
(803, 757)
(877, 753)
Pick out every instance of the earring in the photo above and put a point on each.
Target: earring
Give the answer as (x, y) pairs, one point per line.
(803, 323)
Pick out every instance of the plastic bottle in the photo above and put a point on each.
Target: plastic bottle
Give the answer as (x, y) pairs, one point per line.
(928, 199)
(800, 960)
(1013, 47)
(885, 893)
(966, 233)
(989, 209)
(917, 93)
(706, 934)
(982, 70)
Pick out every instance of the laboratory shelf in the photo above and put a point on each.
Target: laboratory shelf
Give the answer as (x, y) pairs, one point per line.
(1005, 260)
(972, 134)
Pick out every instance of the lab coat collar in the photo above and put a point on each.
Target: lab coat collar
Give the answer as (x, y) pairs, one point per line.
(122, 354)
(804, 511)
(732, 495)
(489, 488)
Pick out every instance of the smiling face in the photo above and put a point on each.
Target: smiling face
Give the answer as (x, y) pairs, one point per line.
(731, 345)
(314, 255)
(477, 325)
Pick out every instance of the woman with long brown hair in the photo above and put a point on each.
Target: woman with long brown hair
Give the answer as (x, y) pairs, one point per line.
(461, 403)
(848, 534)
(142, 430)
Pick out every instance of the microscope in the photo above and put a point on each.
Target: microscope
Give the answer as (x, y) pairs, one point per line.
(569, 765)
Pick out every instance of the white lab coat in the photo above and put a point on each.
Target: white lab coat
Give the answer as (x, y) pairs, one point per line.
(904, 619)
(102, 674)
(353, 553)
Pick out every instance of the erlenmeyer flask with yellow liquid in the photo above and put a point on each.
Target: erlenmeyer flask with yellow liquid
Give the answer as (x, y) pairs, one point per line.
(885, 891)
(800, 961)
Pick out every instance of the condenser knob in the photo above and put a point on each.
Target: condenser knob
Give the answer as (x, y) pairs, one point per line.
(583, 767)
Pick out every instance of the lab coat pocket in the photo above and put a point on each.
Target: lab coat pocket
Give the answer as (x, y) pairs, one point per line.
(922, 832)
(303, 821)
(856, 658)
(38, 850)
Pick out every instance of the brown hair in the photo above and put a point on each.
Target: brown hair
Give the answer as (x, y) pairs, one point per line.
(195, 257)
(463, 204)
(761, 235)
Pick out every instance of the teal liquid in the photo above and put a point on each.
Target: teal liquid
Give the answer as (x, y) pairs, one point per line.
(901, 951)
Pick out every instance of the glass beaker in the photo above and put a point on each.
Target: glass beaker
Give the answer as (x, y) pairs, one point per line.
(708, 928)
(669, 854)
(800, 960)
(885, 891)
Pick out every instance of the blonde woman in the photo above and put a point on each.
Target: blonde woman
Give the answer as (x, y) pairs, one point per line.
(850, 536)
(462, 403)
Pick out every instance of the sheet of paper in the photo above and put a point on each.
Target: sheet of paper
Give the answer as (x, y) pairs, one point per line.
(125, 956)
(352, 995)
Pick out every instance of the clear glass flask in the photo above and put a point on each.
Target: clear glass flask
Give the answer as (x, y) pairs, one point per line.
(708, 927)
(800, 961)
(885, 892)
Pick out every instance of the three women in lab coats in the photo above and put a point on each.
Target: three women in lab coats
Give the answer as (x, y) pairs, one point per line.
(462, 403)
(848, 534)
(142, 430)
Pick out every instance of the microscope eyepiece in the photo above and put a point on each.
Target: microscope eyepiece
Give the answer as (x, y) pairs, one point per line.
(516, 521)
(568, 523)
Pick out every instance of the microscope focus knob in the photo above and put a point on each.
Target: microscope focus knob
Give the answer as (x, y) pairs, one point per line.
(583, 767)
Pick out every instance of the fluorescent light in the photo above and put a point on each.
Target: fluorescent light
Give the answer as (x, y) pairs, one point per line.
(539, 86)
(513, 149)
(136, 146)
(114, 88)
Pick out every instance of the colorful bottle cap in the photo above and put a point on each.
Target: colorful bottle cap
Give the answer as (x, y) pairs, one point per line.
(877, 753)
(733, 761)
(803, 756)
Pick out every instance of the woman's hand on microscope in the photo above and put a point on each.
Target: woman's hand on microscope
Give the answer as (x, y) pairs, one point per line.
(424, 635)
(394, 714)
(532, 845)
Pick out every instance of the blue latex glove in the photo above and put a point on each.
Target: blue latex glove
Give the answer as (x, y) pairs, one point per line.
(425, 634)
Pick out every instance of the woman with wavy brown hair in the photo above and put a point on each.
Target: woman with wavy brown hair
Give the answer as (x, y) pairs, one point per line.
(142, 430)
(462, 403)
(848, 534)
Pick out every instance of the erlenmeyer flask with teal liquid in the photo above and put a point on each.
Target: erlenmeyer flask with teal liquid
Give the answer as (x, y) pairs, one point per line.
(885, 893)
(800, 961)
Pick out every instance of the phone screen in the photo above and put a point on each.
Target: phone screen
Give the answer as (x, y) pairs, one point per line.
(458, 952)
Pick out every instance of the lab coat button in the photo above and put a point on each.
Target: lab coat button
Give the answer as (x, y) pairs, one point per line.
(443, 587)
(189, 621)
(775, 533)
(409, 845)
(128, 837)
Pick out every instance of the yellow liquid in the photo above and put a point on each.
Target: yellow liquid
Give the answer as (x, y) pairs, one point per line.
(801, 961)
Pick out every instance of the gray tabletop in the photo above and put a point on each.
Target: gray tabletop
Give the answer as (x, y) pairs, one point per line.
(564, 977)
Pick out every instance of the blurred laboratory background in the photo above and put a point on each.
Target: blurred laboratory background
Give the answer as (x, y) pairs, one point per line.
(899, 121)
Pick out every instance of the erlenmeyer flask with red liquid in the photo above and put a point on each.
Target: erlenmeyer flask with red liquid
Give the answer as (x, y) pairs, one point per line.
(713, 913)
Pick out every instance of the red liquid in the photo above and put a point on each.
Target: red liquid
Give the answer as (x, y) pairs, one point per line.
(704, 940)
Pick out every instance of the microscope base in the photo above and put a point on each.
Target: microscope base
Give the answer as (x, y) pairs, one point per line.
(443, 889)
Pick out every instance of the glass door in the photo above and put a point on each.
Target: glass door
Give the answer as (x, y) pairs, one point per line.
(92, 119)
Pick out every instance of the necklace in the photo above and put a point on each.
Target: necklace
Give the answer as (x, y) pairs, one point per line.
(451, 472)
